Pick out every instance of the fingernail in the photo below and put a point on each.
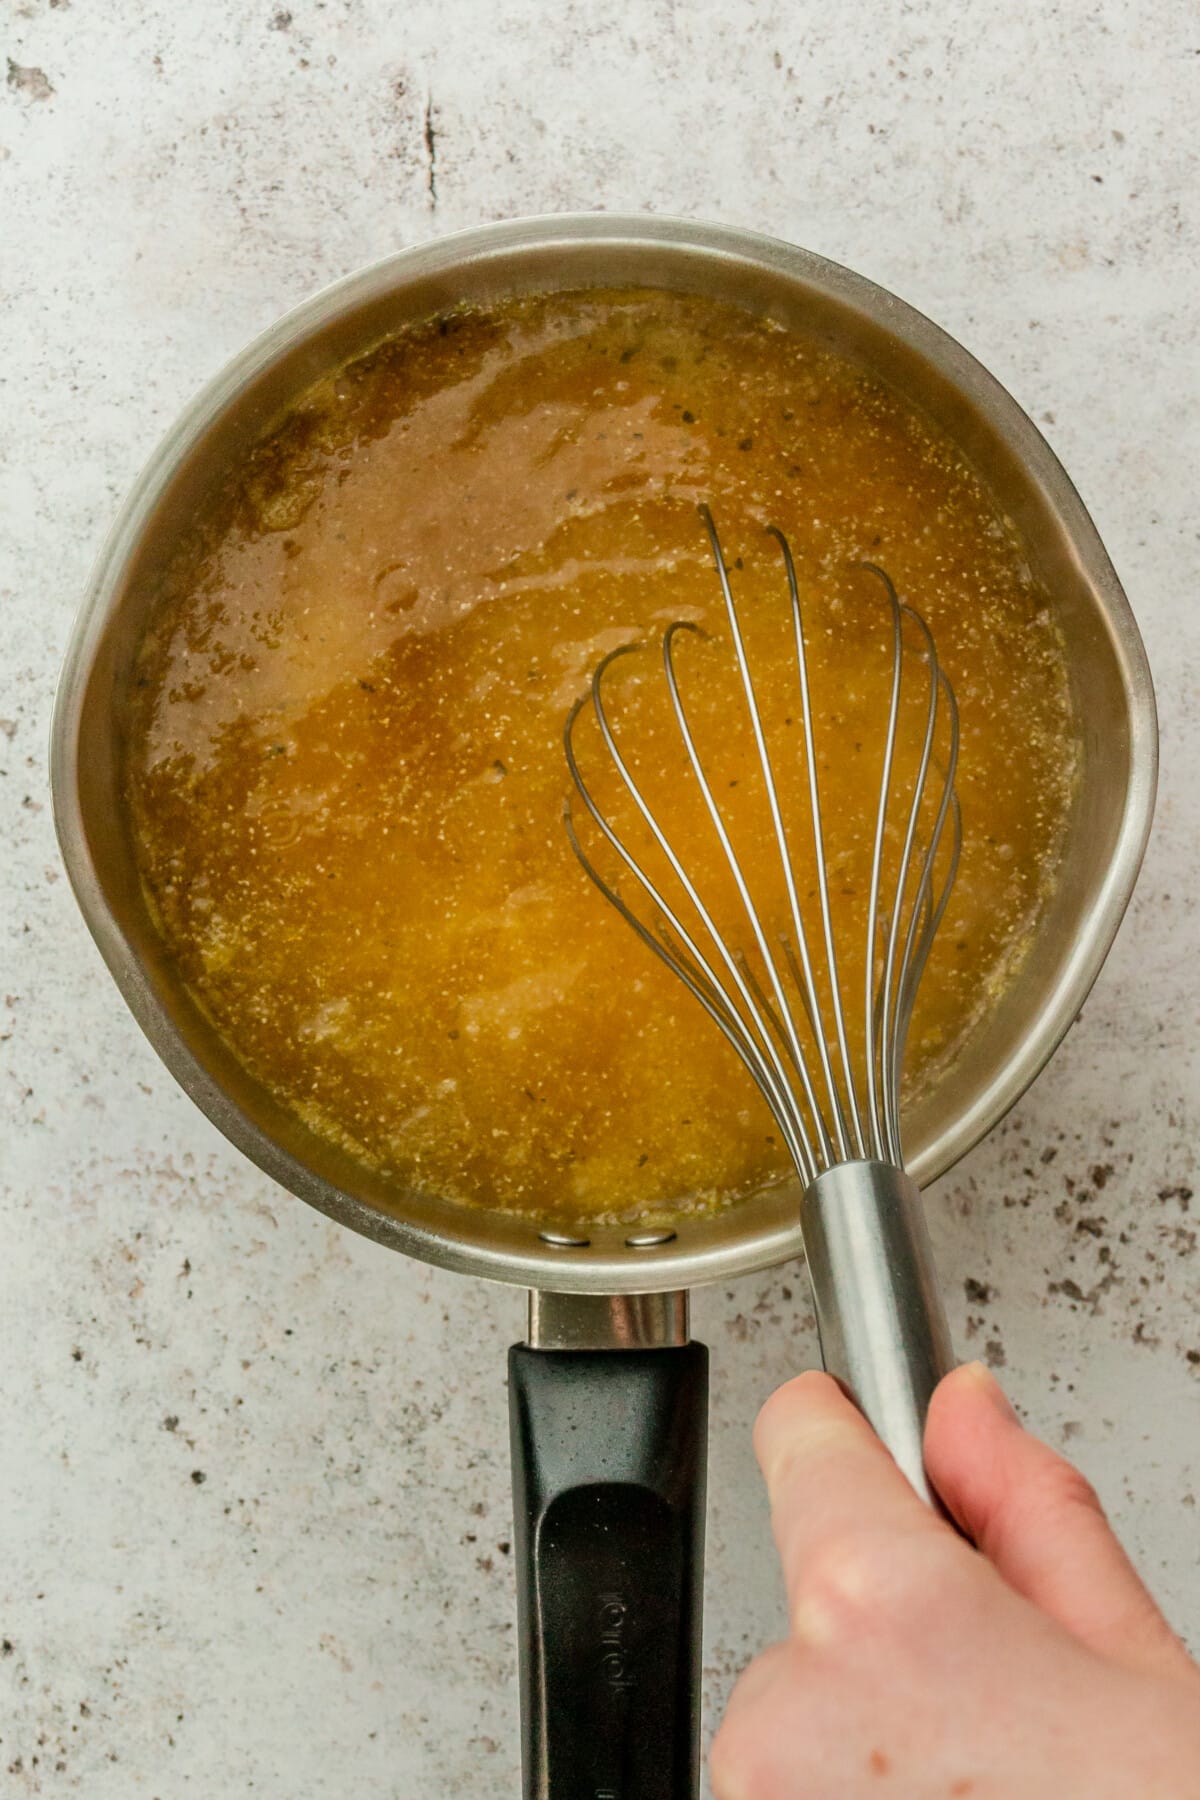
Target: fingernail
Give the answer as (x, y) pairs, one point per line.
(981, 1378)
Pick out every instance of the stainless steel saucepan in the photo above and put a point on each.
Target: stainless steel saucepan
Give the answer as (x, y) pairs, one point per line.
(608, 1396)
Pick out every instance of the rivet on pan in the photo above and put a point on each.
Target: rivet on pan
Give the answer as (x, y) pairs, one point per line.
(563, 1240)
(645, 1240)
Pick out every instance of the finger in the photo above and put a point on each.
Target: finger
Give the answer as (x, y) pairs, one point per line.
(1040, 1524)
(832, 1486)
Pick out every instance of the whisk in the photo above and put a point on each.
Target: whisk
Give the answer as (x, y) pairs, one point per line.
(775, 993)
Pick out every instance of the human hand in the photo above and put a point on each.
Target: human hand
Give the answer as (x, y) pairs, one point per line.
(918, 1668)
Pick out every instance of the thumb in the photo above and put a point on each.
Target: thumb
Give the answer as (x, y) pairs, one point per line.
(1040, 1524)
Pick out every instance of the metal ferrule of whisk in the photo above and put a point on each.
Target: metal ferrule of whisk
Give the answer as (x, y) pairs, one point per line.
(776, 998)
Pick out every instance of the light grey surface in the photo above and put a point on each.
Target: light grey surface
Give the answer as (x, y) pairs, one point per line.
(330, 1607)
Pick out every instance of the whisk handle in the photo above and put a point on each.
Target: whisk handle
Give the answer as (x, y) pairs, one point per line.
(879, 1310)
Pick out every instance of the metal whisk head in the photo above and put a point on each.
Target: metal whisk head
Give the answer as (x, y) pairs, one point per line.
(771, 983)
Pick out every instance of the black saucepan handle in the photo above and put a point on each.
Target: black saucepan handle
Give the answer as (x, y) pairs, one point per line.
(608, 1450)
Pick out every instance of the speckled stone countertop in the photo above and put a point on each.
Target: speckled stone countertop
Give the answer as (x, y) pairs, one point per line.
(254, 1506)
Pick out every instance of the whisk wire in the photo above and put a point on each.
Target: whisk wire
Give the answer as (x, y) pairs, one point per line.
(875, 1049)
(891, 997)
(814, 794)
(917, 947)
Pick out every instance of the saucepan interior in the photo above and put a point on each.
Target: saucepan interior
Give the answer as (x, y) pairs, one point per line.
(1111, 682)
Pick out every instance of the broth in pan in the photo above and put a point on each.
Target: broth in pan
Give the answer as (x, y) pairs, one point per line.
(345, 758)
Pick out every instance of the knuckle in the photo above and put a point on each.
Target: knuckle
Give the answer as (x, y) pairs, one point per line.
(1063, 1487)
(843, 1582)
(1051, 1494)
(874, 1581)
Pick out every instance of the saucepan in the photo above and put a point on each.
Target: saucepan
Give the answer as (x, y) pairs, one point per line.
(608, 1395)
